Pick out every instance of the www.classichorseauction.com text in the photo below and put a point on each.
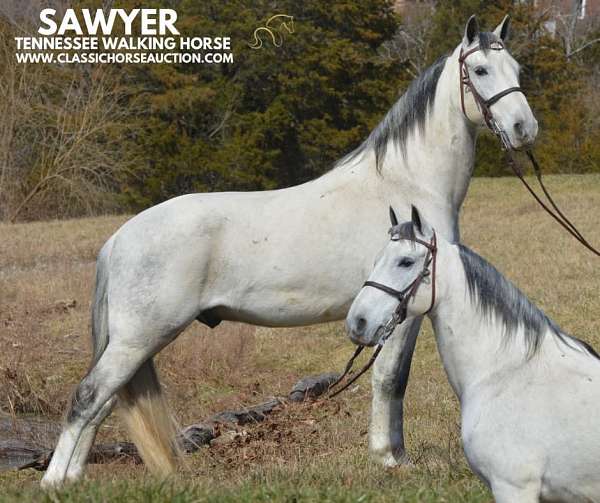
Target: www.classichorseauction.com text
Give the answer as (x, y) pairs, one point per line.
(145, 36)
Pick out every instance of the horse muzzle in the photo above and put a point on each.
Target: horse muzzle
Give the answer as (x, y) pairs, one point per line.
(524, 133)
(361, 332)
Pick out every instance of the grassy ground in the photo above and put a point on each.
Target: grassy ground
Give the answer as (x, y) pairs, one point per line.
(303, 453)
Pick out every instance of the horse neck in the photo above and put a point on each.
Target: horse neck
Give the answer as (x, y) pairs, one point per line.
(472, 347)
(439, 160)
(435, 171)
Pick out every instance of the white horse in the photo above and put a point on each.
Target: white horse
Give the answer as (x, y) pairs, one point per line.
(286, 257)
(529, 395)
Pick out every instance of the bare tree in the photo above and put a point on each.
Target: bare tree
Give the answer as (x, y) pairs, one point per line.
(575, 34)
(411, 42)
(61, 132)
(17, 91)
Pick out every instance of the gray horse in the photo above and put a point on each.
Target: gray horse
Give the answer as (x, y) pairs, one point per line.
(287, 257)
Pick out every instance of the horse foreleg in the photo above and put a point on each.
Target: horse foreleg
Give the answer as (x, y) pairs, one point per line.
(505, 492)
(390, 377)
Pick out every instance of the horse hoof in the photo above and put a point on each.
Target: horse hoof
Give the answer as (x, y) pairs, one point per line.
(393, 459)
(49, 483)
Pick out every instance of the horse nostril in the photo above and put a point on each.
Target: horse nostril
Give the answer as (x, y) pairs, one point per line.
(361, 324)
(519, 128)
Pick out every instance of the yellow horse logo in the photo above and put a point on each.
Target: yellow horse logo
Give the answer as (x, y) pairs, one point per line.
(273, 28)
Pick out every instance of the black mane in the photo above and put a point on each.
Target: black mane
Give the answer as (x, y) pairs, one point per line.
(496, 295)
(404, 230)
(408, 112)
(486, 39)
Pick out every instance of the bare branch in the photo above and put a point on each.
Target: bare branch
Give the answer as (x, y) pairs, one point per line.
(584, 46)
(61, 128)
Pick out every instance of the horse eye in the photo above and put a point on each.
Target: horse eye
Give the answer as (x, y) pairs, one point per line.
(406, 262)
(480, 70)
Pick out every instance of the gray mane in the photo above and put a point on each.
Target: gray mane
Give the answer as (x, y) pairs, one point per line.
(486, 39)
(408, 112)
(404, 230)
(495, 295)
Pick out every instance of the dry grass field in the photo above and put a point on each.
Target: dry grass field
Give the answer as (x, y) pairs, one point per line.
(304, 452)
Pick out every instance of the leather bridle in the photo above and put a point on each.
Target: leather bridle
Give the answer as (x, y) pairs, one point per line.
(483, 104)
(404, 296)
(399, 314)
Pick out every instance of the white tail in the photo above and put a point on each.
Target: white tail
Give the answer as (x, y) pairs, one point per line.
(150, 424)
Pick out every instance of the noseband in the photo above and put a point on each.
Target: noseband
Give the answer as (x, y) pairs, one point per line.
(404, 296)
(483, 104)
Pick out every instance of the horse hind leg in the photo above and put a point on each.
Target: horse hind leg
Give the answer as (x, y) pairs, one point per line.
(100, 338)
(86, 440)
(114, 369)
(148, 420)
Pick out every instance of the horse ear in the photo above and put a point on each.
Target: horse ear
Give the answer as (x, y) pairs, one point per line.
(420, 224)
(416, 219)
(502, 30)
(393, 217)
(471, 31)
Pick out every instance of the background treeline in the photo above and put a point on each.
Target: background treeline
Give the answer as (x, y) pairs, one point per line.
(79, 139)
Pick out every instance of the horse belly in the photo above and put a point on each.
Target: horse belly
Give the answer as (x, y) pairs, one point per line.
(283, 309)
(298, 296)
(297, 275)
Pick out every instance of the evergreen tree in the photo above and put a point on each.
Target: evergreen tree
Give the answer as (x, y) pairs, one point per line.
(276, 117)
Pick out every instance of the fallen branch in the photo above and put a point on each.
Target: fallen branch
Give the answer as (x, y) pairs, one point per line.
(25, 442)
